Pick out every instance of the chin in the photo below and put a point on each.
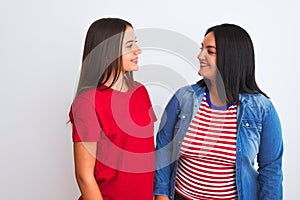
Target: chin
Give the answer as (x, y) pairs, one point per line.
(131, 68)
(134, 68)
(199, 73)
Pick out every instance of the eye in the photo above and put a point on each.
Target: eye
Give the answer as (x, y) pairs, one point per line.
(211, 52)
(129, 46)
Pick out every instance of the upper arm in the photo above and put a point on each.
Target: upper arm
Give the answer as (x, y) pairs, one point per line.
(85, 159)
(271, 146)
(164, 148)
(167, 123)
(84, 119)
(270, 156)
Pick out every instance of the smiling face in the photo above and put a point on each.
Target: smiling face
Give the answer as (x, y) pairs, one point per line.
(208, 57)
(130, 51)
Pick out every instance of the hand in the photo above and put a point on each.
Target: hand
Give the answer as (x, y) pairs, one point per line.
(161, 197)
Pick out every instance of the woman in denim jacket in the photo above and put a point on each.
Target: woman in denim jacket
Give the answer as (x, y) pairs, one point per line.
(194, 161)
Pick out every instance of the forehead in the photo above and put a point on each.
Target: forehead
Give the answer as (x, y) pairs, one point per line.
(209, 39)
(129, 34)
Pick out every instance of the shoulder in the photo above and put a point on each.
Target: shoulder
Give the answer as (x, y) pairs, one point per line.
(139, 88)
(255, 98)
(184, 89)
(139, 85)
(86, 96)
(83, 104)
(190, 90)
(257, 101)
(89, 98)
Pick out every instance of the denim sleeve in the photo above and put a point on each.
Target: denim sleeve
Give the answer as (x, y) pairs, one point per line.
(164, 148)
(270, 157)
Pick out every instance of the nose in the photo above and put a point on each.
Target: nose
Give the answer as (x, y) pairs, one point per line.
(201, 55)
(137, 50)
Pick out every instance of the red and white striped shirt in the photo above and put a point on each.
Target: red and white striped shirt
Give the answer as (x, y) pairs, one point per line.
(206, 168)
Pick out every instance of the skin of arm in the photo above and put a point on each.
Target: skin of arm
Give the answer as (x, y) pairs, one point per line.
(85, 158)
(160, 197)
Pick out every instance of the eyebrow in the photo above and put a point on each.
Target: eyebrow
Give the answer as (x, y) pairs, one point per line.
(209, 46)
(129, 41)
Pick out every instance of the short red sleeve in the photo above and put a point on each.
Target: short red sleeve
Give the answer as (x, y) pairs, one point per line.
(141, 100)
(84, 119)
(148, 102)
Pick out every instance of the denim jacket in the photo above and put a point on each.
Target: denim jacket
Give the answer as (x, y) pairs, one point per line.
(259, 135)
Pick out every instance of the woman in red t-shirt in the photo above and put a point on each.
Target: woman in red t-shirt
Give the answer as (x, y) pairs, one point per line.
(112, 118)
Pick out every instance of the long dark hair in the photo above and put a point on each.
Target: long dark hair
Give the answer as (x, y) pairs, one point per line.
(235, 61)
(102, 54)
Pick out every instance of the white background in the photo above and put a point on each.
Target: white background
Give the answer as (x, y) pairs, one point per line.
(41, 46)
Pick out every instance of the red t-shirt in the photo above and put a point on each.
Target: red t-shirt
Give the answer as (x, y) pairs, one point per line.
(122, 124)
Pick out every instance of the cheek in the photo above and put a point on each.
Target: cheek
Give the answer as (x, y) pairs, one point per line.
(126, 63)
(213, 60)
(125, 59)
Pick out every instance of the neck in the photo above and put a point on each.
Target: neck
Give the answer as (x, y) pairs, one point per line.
(214, 96)
(120, 84)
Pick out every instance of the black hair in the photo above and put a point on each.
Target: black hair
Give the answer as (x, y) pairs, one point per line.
(235, 61)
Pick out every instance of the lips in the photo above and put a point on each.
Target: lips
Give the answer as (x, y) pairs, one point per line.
(135, 61)
(203, 65)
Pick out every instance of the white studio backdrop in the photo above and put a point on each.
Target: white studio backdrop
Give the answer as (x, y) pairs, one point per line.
(41, 49)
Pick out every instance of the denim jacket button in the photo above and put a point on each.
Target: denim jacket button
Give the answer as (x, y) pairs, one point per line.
(183, 117)
(239, 149)
(247, 124)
